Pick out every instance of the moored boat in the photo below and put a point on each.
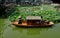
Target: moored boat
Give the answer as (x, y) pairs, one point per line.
(33, 21)
(25, 24)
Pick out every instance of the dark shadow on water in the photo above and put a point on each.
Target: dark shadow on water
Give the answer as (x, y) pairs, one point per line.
(35, 27)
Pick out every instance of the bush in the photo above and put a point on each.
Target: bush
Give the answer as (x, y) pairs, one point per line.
(47, 11)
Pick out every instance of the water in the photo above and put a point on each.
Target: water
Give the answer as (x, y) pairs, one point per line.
(9, 31)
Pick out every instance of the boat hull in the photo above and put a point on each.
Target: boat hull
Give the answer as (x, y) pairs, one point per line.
(27, 25)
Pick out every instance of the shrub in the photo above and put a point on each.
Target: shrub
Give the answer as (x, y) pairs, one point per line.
(47, 11)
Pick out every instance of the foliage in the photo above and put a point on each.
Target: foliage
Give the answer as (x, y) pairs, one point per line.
(14, 15)
(47, 11)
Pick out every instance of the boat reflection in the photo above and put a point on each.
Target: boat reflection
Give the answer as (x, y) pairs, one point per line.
(31, 31)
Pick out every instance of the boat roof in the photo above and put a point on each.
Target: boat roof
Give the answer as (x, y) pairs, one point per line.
(33, 18)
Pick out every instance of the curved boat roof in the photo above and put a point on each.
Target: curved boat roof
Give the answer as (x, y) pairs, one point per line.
(33, 18)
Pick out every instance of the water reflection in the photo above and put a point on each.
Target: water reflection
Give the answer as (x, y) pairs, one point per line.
(31, 31)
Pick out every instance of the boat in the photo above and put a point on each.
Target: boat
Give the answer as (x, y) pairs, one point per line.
(25, 24)
(33, 21)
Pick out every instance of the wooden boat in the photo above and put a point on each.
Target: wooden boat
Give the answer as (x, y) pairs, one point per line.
(33, 21)
(25, 24)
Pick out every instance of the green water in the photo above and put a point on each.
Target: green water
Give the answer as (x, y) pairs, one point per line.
(9, 31)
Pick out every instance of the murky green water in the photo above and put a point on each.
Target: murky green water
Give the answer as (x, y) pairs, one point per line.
(9, 31)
